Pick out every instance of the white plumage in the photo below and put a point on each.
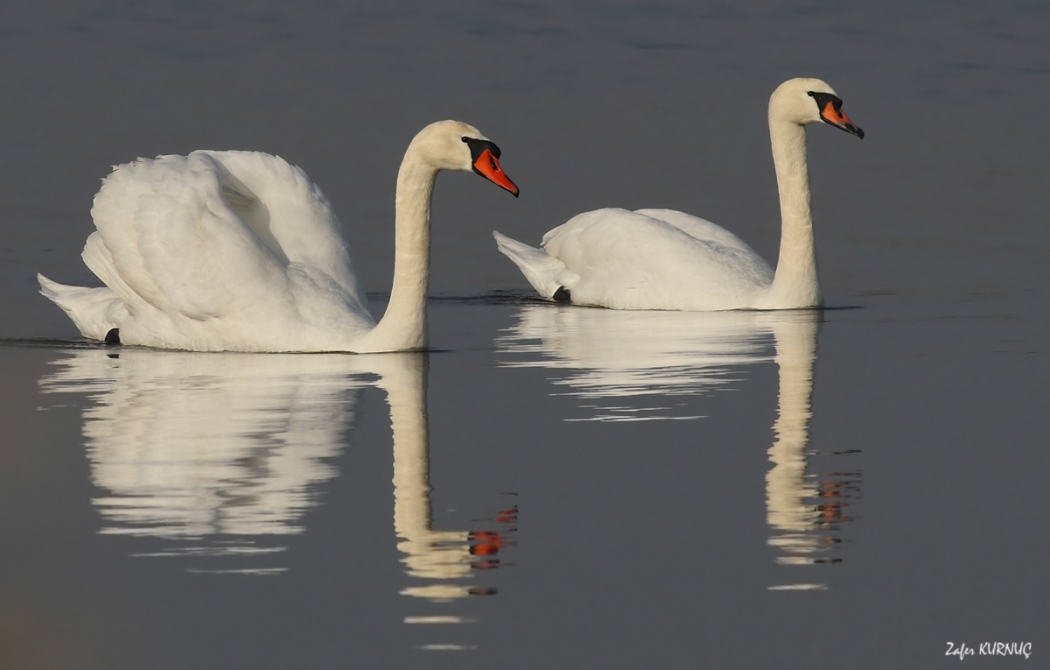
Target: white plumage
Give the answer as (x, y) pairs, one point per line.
(240, 251)
(668, 260)
(648, 259)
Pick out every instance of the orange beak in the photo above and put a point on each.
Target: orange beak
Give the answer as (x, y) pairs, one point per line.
(488, 167)
(836, 118)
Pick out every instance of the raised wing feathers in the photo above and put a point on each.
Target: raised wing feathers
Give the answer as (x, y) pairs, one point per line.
(177, 245)
(290, 214)
(225, 250)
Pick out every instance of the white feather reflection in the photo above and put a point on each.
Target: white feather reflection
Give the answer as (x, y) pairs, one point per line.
(649, 362)
(226, 448)
(619, 354)
(222, 453)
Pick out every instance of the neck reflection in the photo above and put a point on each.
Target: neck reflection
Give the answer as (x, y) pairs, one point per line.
(804, 511)
(642, 366)
(442, 558)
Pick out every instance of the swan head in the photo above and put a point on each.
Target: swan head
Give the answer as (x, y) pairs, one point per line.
(453, 145)
(805, 101)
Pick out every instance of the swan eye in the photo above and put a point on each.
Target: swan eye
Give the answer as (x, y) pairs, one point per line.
(478, 147)
(466, 140)
(822, 100)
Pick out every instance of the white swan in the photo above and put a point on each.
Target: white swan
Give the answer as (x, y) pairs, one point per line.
(663, 259)
(239, 251)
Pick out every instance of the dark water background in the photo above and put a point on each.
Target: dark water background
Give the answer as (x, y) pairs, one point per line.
(635, 543)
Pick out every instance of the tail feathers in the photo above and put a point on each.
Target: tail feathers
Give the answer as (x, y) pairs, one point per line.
(546, 273)
(100, 261)
(94, 311)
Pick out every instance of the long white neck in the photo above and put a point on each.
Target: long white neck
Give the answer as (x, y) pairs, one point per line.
(404, 325)
(795, 283)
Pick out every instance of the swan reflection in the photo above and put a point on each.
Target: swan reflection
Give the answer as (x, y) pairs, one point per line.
(223, 449)
(442, 557)
(223, 454)
(610, 354)
(618, 360)
(805, 511)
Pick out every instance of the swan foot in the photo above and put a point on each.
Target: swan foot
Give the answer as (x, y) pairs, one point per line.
(562, 295)
(112, 337)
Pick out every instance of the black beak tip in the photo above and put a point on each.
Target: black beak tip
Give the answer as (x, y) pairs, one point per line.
(847, 126)
(850, 128)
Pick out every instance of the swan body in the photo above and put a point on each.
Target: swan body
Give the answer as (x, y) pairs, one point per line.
(669, 260)
(240, 251)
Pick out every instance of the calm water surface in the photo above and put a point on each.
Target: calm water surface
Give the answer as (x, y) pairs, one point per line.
(550, 486)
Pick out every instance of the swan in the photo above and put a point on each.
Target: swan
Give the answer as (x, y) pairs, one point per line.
(669, 260)
(240, 251)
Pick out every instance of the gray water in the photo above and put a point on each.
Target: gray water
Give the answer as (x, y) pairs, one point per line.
(550, 486)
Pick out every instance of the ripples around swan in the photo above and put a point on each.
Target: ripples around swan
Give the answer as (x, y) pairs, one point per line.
(640, 366)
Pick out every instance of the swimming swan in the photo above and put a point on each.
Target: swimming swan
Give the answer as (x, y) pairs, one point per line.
(240, 251)
(664, 259)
